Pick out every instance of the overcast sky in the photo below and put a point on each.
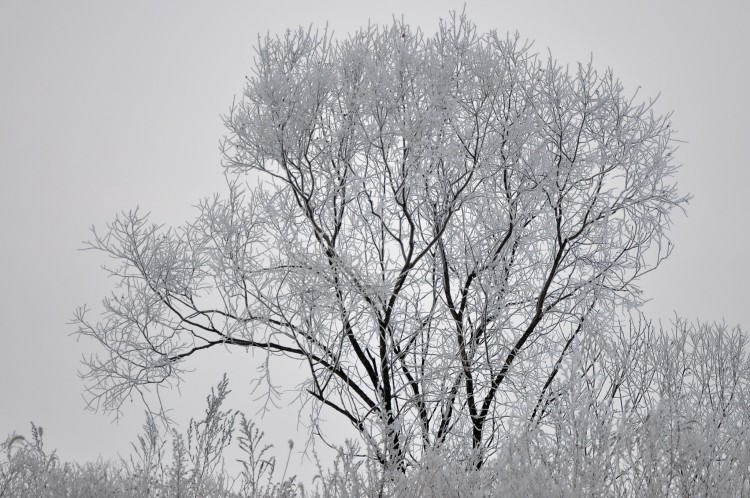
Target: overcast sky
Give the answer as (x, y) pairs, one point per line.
(109, 105)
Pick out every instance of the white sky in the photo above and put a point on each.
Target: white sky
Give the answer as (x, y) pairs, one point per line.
(109, 105)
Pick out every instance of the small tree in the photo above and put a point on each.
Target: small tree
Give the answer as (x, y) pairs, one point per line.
(431, 224)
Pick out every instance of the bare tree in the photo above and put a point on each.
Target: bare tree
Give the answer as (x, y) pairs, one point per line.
(430, 223)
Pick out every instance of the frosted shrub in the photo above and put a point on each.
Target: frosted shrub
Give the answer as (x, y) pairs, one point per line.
(643, 413)
(196, 468)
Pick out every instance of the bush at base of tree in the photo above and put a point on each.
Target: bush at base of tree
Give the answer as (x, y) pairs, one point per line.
(645, 412)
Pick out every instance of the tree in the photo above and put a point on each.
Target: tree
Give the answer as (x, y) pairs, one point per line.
(432, 224)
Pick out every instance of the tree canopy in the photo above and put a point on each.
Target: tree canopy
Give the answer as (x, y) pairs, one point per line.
(447, 230)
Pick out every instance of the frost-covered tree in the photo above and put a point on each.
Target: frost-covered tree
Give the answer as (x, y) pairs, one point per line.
(433, 225)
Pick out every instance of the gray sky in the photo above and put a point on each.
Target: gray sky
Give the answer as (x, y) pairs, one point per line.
(109, 105)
